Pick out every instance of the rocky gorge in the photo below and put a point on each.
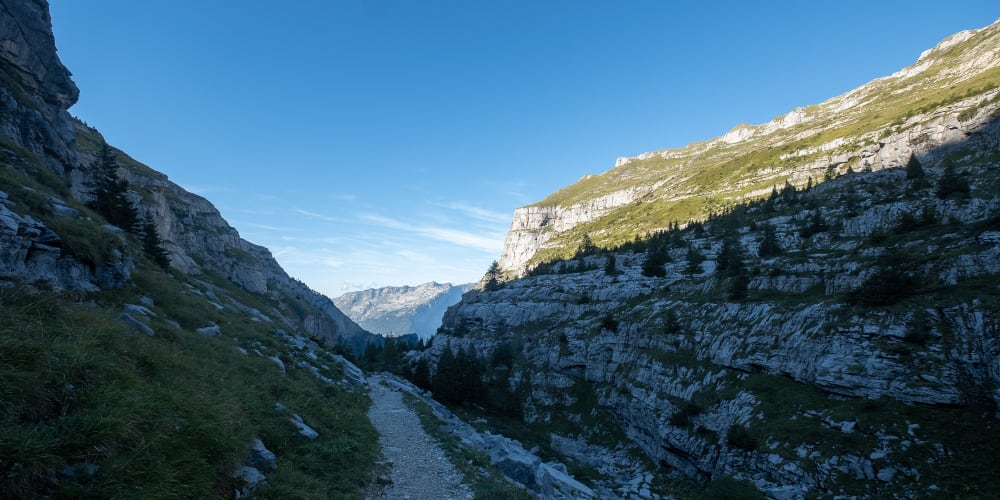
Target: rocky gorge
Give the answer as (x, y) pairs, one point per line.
(838, 336)
(804, 308)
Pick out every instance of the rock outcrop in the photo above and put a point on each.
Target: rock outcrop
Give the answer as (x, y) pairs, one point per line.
(36, 88)
(39, 140)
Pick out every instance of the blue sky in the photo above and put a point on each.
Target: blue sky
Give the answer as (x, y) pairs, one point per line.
(387, 142)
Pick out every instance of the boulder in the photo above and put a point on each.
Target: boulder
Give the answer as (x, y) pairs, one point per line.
(130, 320)
(211, 330)
(261, 457)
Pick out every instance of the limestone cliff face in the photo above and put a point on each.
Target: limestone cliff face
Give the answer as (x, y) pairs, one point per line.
(39, 140)
(534, 225)
(37, 88)
(875, 126)
(649, 349)
(843, 362)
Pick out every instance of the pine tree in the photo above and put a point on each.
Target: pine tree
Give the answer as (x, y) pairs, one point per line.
(492, 277)
(730, 260)
(611, 267)
(111, 192)
(657, 256)
(789, 192)
(694, 260)
(915, 174)
(738, 287)
(153, 245)
(952, 184)
(442, 382)
(769, 246)
(421, 376)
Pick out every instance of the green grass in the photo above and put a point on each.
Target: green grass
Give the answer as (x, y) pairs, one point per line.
(168, 416)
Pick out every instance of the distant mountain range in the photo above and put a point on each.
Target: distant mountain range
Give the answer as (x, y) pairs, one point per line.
(399, 310)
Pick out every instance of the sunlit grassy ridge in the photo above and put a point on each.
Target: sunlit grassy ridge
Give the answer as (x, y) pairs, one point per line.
(693, 182)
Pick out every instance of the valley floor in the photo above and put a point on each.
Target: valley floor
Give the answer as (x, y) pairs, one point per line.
(419, 467)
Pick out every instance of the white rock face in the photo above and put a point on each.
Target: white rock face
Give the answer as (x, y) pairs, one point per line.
(533, 225)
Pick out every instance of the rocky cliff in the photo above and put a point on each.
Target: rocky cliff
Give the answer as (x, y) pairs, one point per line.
(127, 376)
(394, 311)
(831, 338)
(919, 109)
(50, 154)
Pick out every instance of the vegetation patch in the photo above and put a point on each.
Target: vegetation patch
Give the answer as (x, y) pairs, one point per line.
(91, 407)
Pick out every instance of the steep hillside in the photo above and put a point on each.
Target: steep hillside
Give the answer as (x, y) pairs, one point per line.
(941, 99)
(394, 311)
(840, 339)
(127, 375)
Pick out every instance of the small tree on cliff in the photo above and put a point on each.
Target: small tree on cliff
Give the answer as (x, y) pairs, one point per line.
(492, 277)
(111, 192)
(153, 245)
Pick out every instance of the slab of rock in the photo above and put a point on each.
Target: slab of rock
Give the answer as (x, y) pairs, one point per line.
(211, 330)
(261, 457)
(130, 320)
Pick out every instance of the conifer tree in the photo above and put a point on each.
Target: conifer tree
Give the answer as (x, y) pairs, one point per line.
(769, 246)
(952, 184)
(789, 192)
(442, 382)
(421, 376)
(730, 260)
(694, 260)
(611, 267)
(111, 192)
(656, 257)
(153, 245)
(492, 277)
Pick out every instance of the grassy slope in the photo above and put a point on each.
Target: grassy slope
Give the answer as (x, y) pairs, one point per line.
(704, 178)
(168, 416)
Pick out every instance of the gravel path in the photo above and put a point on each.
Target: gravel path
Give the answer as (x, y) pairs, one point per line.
(420, 469)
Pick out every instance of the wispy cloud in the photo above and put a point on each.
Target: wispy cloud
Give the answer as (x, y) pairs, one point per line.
(317, 216)
(267, 227)
(490, 243)
(344, 197)
(475, 212)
